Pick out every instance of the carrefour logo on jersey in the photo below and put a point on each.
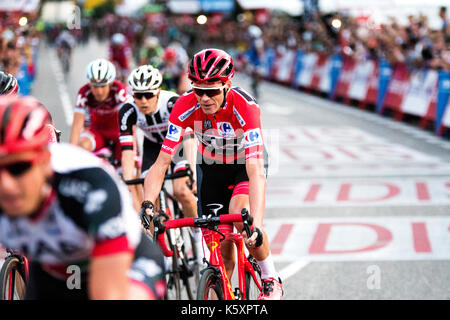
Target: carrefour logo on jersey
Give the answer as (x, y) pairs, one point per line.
(225, 129)
(173, 132)
(253, 138)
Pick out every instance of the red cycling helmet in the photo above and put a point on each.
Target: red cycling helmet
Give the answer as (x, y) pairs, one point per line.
(170, 54)
(23, 124)
(211, 65)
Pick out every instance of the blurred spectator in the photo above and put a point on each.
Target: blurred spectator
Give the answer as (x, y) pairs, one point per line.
(173, 72)
(120, 54)
(444, 20)
(18, 51)
(151, 52)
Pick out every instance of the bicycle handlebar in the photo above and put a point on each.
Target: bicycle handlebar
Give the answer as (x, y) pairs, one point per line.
(161, 227)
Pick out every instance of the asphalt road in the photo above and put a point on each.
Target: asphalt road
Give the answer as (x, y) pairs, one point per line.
(357, 204)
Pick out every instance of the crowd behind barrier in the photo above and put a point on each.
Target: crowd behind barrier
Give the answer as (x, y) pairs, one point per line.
(19, 51)
(394, 69)
(391, 68)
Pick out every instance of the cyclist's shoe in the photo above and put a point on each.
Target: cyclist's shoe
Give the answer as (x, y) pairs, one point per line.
(272, 289)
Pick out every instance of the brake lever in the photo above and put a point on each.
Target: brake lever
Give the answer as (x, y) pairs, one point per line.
(159, 226)
(145, 219)
(247, 220)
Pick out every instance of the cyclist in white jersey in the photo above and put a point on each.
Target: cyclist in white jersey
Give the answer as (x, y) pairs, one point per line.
(150, 112)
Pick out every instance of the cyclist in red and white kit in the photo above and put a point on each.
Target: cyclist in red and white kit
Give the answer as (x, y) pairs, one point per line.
(120, 54)
(227, 123)
(95, 119)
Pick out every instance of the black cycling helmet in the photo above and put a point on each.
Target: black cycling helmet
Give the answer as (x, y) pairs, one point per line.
(8, 84)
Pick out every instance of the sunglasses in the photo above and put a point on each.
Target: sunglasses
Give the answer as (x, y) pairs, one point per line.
(140, 95)
(210, 92)
(17, 169)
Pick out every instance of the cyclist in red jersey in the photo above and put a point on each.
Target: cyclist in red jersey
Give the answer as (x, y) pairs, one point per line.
(227, 124)
(119, 53)
(96, 115)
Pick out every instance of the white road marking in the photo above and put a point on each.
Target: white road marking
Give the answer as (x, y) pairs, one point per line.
(293, 268)
(321, 151)
(384, 238)
(62, 88)
(276, 109)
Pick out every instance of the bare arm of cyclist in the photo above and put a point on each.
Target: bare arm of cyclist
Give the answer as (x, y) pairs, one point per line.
(77, 127)
(257, 191)
(108, 278)
(128, 164)
(155, 177)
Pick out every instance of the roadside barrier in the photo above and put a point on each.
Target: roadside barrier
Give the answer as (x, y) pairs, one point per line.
(389, 90)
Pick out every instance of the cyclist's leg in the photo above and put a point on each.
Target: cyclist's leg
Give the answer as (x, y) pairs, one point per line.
(182, 192)
(240, 200)
(188, 203)
(262, 254)
(215, 192)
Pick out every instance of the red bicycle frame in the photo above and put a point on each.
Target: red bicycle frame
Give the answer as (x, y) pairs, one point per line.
(215, 259)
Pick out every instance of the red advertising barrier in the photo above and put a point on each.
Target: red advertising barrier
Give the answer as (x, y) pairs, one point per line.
(421, 97)
(284, 67)
(364, 82)
(308, 64)
(408, 92)
(345, 78)
(398, 87)
(318, 72)
(372, 86)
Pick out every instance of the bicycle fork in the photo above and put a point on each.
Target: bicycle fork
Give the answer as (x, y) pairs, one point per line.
(216, 262)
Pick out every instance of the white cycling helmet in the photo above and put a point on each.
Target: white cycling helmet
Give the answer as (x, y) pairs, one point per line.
(118, 39)
(145, 78)
(100, 72)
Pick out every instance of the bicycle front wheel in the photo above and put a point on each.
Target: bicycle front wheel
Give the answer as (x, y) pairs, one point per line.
(12, 284)
(210, 286)
(251, 288)
(173, 278)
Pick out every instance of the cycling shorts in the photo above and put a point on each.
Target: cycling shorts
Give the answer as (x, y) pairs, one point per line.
(100, 139)
(217, 184)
